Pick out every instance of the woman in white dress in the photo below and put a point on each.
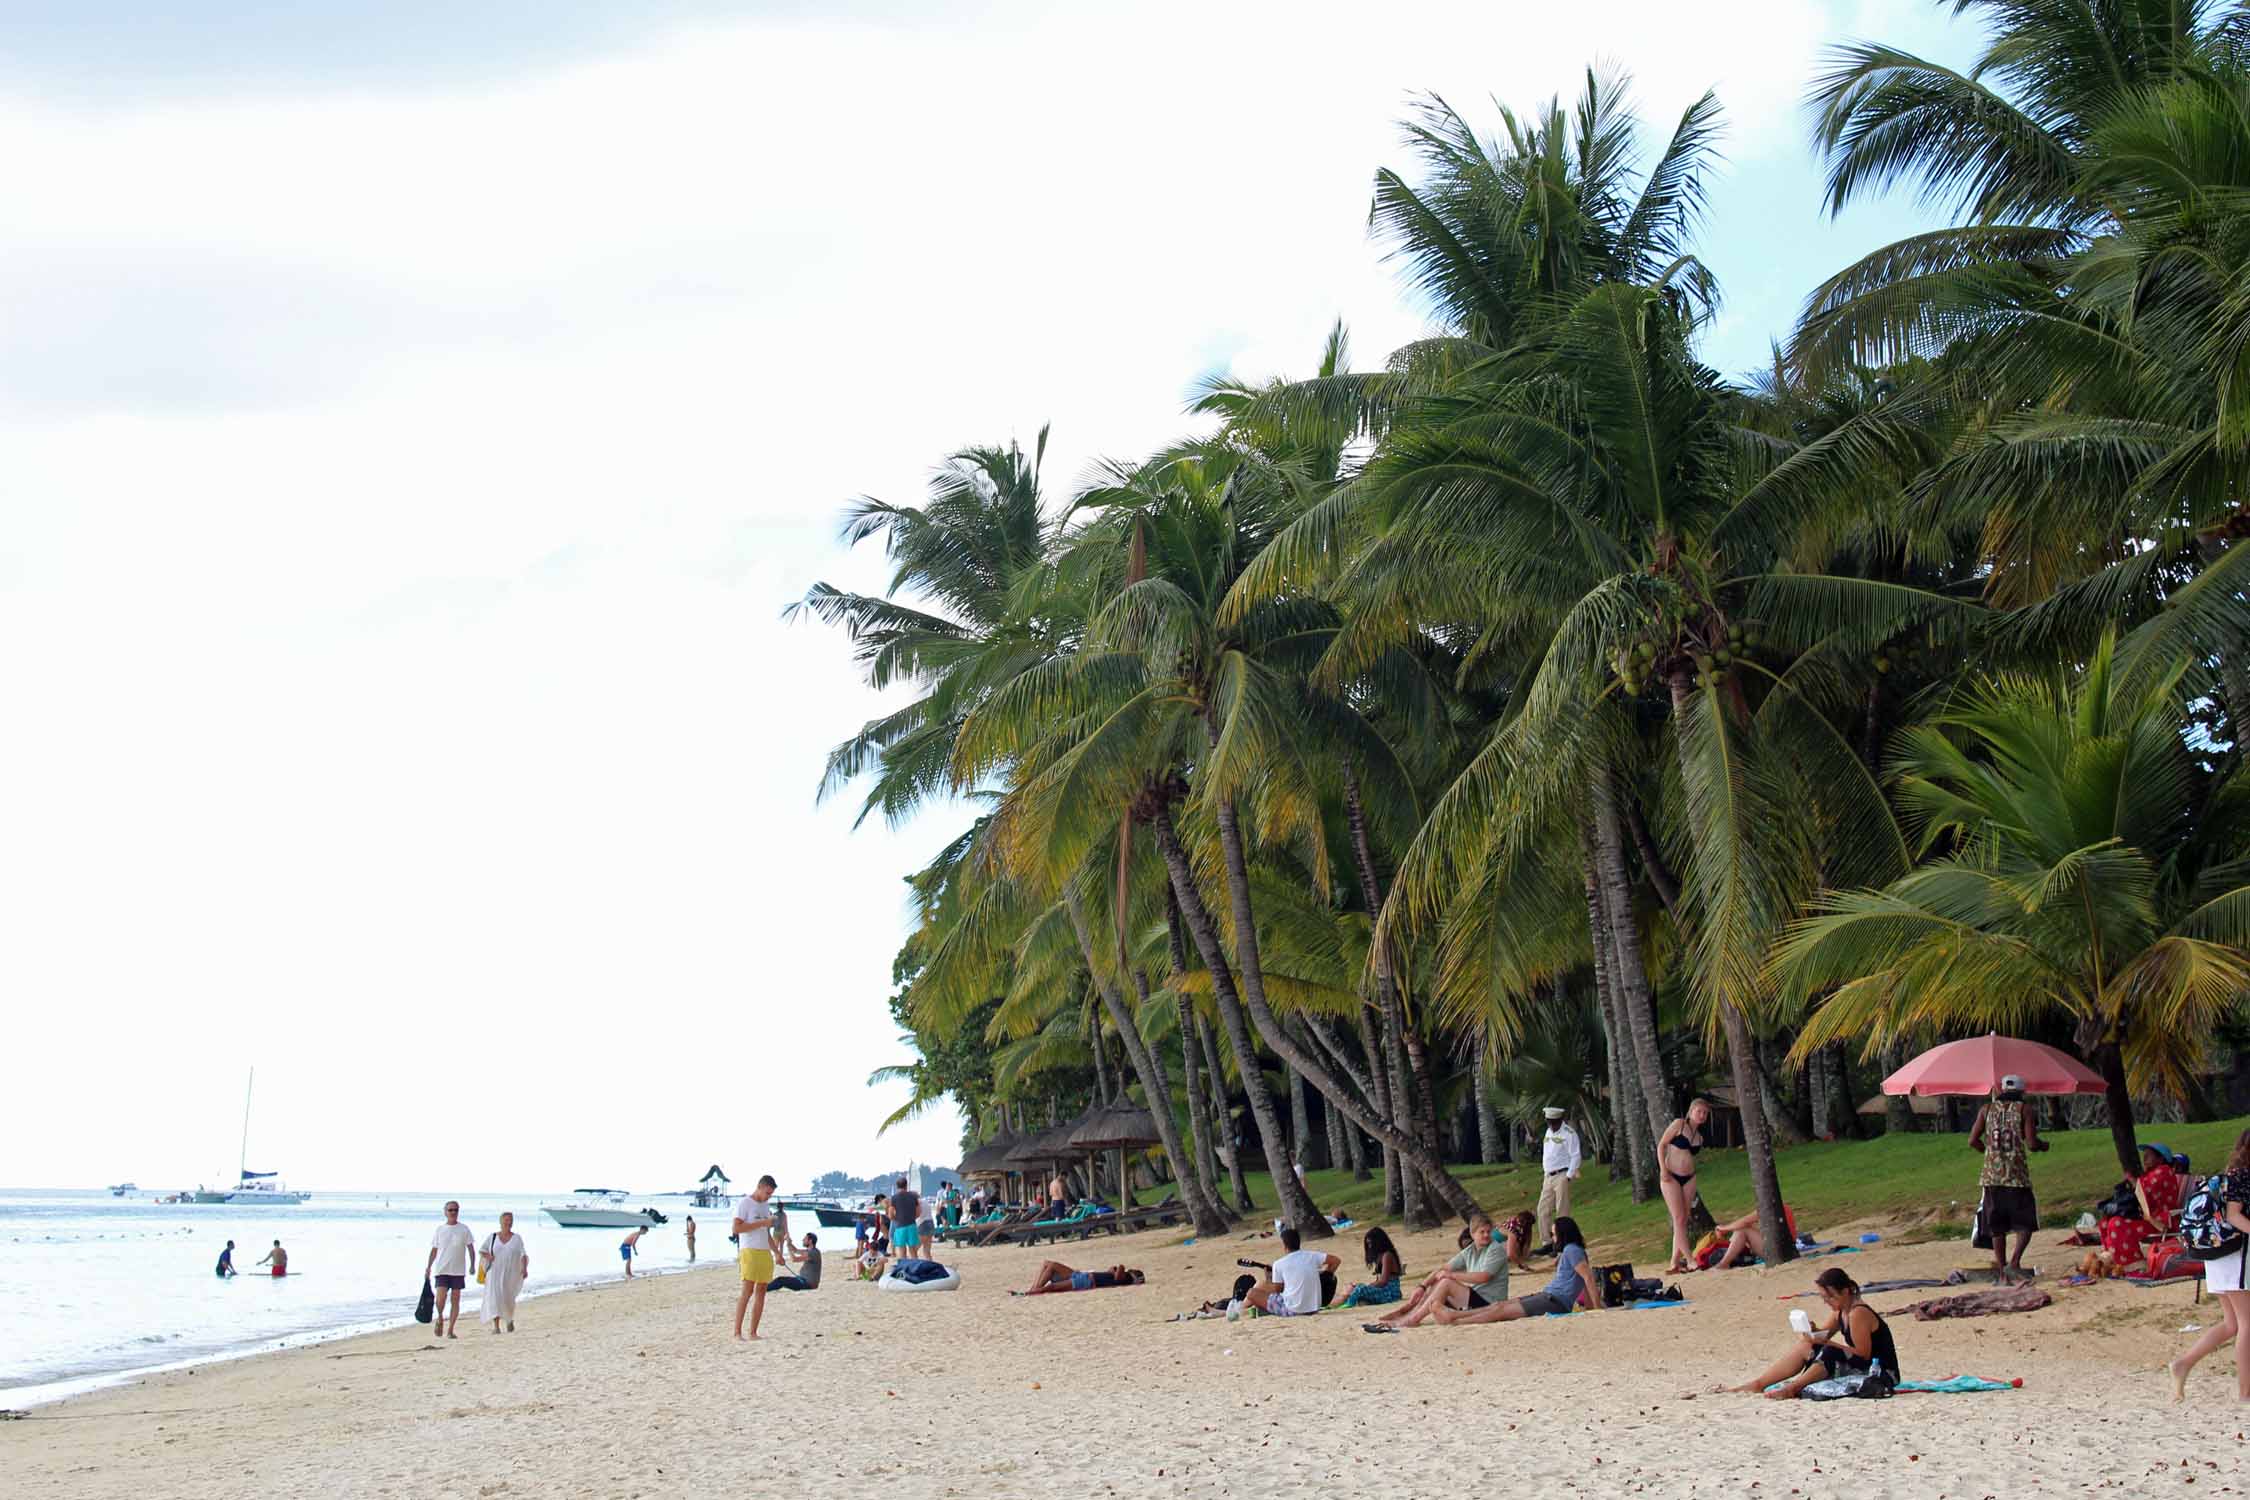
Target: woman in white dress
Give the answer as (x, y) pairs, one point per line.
(506, 1264)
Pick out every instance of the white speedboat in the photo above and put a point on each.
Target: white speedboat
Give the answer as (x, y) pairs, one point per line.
(601, 1208)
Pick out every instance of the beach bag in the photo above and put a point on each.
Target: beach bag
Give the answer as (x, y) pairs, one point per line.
(425, 1309)
(2204, 1229)
(1980, 1234)
(1616, 1283)
(2122, 1203)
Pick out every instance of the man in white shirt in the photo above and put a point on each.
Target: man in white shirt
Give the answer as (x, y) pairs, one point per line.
(450, 1250)
(1294, 1288)
(1560, 1158)
(753, 1229)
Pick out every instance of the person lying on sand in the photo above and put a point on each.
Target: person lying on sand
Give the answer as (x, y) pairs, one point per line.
(1475, 1277)
(1573, 1285)
(1849, 1343)
(1744, 1238)
(1054, 1276)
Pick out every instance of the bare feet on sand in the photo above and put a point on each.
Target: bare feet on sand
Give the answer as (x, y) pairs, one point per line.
(2179, 1380)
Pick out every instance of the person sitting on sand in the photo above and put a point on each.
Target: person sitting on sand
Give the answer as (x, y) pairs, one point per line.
(1847, 1344)
(1744, 1238)
(1571, 1286)
(1294, 1289)
(807, 1278)
(1516, 1233)
(1474, 1278)
(1384, 1270)
(1054, 1276)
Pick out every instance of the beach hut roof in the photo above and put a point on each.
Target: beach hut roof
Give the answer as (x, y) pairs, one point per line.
(991, 1158)
(1115, 1125)
(1046, 1145)
(714, 1175)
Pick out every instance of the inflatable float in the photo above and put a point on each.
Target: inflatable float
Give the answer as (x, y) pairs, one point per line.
(916, 1276)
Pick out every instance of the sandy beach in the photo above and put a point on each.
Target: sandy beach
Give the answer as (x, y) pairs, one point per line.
(633, 1390)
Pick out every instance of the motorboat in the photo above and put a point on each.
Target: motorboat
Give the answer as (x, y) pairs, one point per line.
(601, 1208)
(830, 1213)
(120, 1189)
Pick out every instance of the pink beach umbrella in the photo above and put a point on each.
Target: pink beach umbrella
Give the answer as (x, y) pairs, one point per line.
(1977, 1065)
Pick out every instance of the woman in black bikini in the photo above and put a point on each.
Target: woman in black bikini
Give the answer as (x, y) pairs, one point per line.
(1848, 1344)
(1683, 1138)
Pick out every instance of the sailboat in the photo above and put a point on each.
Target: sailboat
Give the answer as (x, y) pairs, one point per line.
(251, 1187)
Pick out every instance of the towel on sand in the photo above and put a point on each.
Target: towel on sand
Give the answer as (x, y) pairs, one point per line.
(1956, 1384)
(2011, 1299)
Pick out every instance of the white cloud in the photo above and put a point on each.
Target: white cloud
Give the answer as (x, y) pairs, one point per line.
(402, 490)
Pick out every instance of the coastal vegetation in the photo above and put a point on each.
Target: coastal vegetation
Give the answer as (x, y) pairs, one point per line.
(1543, 716)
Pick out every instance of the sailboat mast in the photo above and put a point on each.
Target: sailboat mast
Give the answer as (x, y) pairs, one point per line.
(242, 1167)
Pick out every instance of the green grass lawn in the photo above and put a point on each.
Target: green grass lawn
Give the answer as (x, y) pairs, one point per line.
(1826, 1182)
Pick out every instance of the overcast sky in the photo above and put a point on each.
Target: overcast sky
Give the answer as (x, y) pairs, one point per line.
(415, 416)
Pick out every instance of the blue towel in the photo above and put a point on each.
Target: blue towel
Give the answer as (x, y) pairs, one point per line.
(1954, 1385)
(1656, 1302)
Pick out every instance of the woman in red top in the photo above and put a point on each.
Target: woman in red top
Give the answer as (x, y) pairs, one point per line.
(2158, 1188)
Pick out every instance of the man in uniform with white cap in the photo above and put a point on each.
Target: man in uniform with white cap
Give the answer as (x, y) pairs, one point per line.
(1560, 1158)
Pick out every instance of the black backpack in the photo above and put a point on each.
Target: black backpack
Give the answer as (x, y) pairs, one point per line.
(2204, 1230)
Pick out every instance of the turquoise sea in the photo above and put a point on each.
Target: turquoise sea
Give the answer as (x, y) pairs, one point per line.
(94, 1288)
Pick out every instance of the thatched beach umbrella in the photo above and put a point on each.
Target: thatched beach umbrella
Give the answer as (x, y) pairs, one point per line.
(1049, 1147)
(1116, 1127)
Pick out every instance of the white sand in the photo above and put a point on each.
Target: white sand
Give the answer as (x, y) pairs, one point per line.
(636, 1389)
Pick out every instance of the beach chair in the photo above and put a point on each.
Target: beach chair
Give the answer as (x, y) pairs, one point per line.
(1006, 1232)
(1077, 1224)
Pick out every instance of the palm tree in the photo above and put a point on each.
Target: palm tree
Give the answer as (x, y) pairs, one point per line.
(2094, 869)
(973, 556)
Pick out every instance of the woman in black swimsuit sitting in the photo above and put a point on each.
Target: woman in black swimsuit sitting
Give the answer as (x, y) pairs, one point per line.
(1848, 1344)
(1683, 1138)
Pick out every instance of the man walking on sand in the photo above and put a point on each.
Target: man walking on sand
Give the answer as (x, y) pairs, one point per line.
(448, 1267)
(753, 1229)
(1560, 1158)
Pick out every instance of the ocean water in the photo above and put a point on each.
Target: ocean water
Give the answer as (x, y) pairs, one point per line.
(95, 1288)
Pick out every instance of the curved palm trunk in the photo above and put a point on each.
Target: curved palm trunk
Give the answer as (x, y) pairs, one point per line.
(1199, 1131)
(1417, 1154)
(1488, 1121)
(1629, 1094)
(1402, 1191)
(1300, 1117)
(1209, 1218)
(1205, 1110)
(1379, 1074)
(1297, 1208)
(1628, 967)
(1742, 1055)
(2108, 1059)
(1222, 1118)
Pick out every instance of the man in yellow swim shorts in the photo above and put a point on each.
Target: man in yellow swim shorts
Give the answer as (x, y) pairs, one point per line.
(753, 1228)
